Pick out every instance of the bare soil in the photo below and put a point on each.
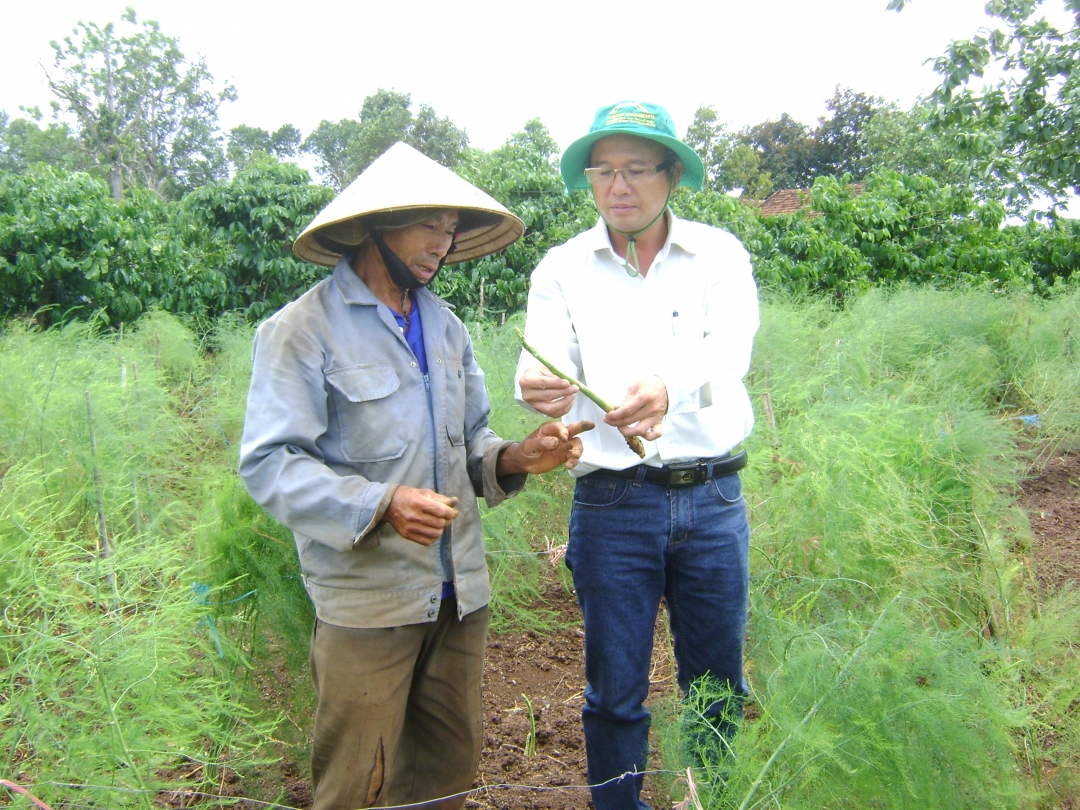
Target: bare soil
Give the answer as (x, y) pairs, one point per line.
(1052, 502)
(548, 669)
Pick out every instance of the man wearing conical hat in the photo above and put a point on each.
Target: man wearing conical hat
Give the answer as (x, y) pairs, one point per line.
(366, 434)
(659, 312)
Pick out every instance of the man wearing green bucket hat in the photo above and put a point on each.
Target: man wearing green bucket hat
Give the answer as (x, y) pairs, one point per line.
(661, 312)
(367, 435)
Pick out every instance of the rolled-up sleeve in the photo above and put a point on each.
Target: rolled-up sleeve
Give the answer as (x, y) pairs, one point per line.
(280, 462)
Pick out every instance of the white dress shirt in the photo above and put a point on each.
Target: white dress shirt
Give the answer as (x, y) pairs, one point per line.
(690, 320)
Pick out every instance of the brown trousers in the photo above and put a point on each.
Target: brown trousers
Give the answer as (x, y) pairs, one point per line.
(399, 720)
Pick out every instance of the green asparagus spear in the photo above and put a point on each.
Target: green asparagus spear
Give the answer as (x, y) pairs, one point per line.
(633, 442)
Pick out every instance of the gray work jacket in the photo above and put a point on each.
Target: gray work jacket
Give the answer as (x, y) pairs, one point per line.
(338, 415)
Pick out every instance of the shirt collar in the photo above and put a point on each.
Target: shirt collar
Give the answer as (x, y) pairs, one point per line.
(678, 234)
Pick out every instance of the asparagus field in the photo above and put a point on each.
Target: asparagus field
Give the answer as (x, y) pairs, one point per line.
(900, 654)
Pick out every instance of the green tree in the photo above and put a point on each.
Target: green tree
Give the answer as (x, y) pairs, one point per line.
(729, 163)
(347, 147)
(786, 150)
(246, 226)
(900, 141)
(23, 142)
(143, 112)
(839, 137)
(791, 154)
(331, 144)
(246, 142)
(1022, 130)
(438, 138)
(905, 141)
(385, 119)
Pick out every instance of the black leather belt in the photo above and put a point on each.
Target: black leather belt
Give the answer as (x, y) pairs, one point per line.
(685, 474)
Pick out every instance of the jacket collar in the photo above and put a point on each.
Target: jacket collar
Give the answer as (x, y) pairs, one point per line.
(355, 291)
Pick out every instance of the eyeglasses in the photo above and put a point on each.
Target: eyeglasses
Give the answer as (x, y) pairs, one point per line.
(634, 176)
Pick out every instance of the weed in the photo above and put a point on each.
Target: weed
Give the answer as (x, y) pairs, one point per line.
(530, 738)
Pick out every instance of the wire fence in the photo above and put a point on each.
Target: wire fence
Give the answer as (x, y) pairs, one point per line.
(690, 803)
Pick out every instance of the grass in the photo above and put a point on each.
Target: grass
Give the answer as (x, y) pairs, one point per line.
(518, 531)
(898, 656)
(892, 469)
(113, 673)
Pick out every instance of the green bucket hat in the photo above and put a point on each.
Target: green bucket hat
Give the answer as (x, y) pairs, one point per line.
(631, 118)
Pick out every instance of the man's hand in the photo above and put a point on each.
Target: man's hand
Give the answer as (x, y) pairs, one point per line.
(420, 515)
(642, 411)
(543, 391)
(550, 445)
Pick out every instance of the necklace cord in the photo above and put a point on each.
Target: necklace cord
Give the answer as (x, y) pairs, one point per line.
(405, 312)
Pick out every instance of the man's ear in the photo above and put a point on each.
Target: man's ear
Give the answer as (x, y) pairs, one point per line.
(677, 172)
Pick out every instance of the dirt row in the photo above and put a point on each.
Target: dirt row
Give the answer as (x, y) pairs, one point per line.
(546, 671)
(549, 669)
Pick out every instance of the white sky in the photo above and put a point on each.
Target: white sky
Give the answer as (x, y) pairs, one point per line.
(491, 66)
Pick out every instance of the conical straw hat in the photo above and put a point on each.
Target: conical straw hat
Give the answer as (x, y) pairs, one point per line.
(400, 180)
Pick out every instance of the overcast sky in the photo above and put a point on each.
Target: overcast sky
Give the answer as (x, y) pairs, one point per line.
(491, 66)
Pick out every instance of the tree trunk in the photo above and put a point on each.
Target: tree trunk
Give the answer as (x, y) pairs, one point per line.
(116, 182)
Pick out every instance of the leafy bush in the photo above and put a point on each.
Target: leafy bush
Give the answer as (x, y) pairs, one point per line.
(901, 228)
(67, 250)
(523, 175)
(247, 226)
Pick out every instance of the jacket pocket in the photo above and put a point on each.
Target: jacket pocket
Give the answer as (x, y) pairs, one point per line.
(370, 423)
(455, 402)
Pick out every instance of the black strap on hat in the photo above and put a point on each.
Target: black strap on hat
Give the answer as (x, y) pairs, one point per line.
(399, 272)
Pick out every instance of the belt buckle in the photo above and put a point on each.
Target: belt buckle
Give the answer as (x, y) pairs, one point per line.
(687, 476)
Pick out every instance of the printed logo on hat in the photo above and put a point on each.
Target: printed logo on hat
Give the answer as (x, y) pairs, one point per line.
(631, 113)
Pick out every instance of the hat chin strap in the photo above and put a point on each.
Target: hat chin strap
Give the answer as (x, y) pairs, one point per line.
(631, 263)
(400, 274)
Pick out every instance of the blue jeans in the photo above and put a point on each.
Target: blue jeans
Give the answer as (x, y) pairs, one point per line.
(631, 543)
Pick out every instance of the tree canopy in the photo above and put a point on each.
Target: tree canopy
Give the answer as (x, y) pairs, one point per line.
(24, 143)
(730, 162)
(142, 111)
(1019, 132)
(347, 147)
(246, 143)
(785, 153)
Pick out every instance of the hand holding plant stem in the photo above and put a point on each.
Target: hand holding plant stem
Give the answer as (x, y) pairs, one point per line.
(633, 442)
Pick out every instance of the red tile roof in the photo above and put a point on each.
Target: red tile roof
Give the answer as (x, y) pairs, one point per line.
(785, 201)
(791, 200)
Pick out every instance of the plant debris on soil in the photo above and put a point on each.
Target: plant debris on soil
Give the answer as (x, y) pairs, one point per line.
(1052, 503)
(548, 668)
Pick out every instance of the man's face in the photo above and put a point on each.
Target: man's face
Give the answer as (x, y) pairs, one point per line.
(423, 245)
(626, 207)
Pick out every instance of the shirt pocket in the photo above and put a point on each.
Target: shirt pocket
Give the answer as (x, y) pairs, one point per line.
(455, 402)
(687, 325)
(370, 420)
